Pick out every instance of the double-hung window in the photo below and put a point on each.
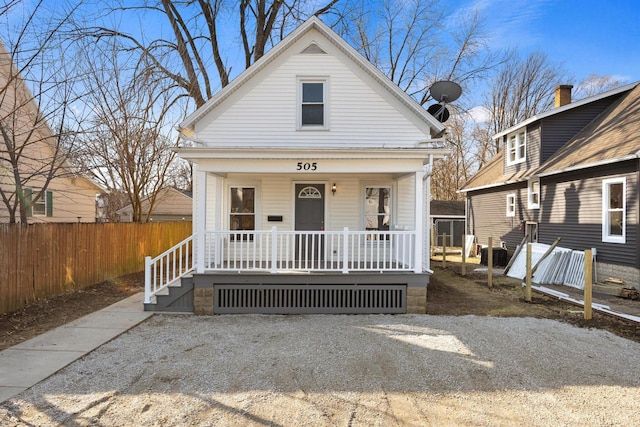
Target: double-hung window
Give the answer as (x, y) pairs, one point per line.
(511, 205)
(41, 207)
(614, 208)
(243, 214)
(377, 210)
(312, 112)
(516, 148)
(534, 194)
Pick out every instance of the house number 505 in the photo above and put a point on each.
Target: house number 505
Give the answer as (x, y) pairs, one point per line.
(306, 166)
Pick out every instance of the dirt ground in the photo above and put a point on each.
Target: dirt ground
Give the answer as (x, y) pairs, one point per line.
(449, 294)
(47, 314)
(484, 357)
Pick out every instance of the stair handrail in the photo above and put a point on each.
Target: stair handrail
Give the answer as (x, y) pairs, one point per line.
(167, 268)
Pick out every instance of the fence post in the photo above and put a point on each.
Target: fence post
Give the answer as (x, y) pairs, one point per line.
(588, 282)
(490, 263)
(147, 279)
(527, 291)
(444, 250)
(464, 255)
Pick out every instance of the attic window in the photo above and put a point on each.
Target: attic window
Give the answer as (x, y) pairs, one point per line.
(312, 105)
(516, 148)
(313, 49)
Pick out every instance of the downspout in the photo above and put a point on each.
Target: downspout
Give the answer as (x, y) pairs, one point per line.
(428, 168)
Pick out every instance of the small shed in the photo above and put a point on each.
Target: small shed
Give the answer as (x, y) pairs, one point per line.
(448, 216)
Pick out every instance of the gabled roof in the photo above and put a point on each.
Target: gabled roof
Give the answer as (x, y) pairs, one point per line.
(169, 201)
(564, 108)
(611, 137)
(313, 23)
(447, 207)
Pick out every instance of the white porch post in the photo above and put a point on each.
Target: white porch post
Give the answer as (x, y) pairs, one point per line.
(427, 211)
(200, 210)
(419, 221)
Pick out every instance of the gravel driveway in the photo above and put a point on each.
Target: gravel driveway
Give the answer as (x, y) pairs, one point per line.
(343, 370)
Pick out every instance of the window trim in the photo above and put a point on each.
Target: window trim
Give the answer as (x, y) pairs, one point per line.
(46, 199)
(530, 193)
(511, 204)
(255, 188)
(391, 213)
(325, 102)
(515, 141)
(606, 236)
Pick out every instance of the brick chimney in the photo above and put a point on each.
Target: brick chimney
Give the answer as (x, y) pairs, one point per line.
(563, 95)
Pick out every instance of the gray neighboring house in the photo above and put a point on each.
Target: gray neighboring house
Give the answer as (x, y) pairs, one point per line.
(571, 172)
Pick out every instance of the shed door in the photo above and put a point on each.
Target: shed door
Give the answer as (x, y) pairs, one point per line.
(309, 217)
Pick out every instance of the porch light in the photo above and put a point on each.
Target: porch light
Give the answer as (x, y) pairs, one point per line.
(334, 189)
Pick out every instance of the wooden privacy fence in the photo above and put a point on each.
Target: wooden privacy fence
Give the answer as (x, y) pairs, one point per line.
(42, 260)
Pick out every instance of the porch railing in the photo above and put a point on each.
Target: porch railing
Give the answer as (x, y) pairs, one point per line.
(319, 251)
(167, 268)
(278, 251)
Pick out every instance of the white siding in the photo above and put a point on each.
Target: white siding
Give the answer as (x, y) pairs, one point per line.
(346, 205)
(275, 196)
(406, 203)
(276, 200)
(263, 112)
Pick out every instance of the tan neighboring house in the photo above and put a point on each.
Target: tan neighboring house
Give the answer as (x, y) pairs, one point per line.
(68, 197)
(170, 205)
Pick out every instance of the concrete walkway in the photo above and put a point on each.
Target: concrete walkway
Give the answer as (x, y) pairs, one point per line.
(30, 362)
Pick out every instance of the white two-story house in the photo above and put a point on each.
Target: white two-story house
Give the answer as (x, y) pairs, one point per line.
(311, 189)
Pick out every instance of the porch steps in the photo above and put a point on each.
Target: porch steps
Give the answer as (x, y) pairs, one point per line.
(176, 298)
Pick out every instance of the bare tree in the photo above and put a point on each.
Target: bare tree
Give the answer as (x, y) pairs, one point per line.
(180, 175)
(595, 84)
(522, 88)
(196, 39)
(412, 44)
(36, 112)
(128, 147)
(451, 172)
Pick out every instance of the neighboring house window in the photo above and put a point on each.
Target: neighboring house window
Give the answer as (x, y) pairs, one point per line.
(511, 205)
(242, 202)
(516, 148)
(377, 209)
(313, 104)
(41, 207)
(534, 194)
(614, 210)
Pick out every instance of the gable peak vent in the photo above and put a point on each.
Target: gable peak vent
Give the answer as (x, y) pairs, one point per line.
(313, 49)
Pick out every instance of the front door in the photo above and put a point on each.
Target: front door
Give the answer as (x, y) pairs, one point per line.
(309, 217)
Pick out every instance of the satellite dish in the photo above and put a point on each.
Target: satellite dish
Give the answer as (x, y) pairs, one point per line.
(439, 111)
(445, 91)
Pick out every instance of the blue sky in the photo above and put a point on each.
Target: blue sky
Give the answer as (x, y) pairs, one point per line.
(586, 36)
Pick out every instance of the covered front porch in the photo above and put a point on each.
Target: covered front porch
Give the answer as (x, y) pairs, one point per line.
(336, 213)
